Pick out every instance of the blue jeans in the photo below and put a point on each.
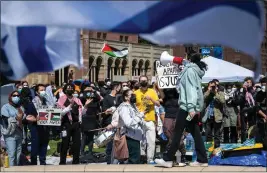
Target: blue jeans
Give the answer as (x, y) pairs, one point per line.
(109, 152)
(14, 147)
(39, 143)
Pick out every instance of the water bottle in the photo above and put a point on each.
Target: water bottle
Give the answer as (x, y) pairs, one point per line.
(189, 118)
(194, 156)
(6, 161)
(178, 156)
(189, 142)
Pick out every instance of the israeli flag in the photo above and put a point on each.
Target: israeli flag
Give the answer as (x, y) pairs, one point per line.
(234, 23)
(27, 50)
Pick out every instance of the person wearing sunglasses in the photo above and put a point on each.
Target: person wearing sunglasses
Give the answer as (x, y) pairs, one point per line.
(11, 127)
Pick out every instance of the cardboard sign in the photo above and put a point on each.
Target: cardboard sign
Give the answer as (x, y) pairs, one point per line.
(167, 75)
(49, 117)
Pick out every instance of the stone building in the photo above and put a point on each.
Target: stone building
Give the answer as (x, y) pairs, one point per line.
(98, 65)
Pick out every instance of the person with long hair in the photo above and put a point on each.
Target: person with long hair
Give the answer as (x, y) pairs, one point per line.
(71, 124)
(191, 102)
(11, 127)
(31, 121)
(131, 122)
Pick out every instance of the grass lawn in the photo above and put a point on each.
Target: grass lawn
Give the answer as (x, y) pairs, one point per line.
(53, 148)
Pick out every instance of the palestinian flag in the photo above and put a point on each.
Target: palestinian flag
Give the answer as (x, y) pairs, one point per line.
(111, 51)
(55, 116)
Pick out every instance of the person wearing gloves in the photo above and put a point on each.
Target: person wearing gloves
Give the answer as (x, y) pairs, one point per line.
(71, 124)
(131, 122)
(191, 101)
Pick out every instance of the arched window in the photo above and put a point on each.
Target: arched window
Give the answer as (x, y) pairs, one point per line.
(109, 69)
(134, 63)
(124, 64)
(98, 67)
(117, 67)
(146, 66)
(140, 65)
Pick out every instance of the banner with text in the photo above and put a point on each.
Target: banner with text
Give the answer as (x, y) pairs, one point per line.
(167, 75)
(49, 117)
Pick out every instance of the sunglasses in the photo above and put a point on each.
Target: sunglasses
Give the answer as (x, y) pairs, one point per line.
(15, 95)
(124, 85)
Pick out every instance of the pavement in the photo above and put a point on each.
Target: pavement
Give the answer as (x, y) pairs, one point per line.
(129, 168)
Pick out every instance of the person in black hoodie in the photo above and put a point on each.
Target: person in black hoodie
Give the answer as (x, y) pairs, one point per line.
(91, 102)
(32, 117)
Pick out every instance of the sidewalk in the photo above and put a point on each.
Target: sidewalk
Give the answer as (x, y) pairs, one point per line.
(129, 168)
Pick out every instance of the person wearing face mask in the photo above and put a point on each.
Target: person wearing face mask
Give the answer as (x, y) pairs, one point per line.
(191, 101)
(109, 107)
(261, 99)
(76, 94)
(131, 123)
(11, 127)
(230, 117)
(135, 85)
(31, 122)
(146, 100)
(40, 144)
(89, 121)
(71, 124)
(246, 101)
(26, 84)
(19, 88)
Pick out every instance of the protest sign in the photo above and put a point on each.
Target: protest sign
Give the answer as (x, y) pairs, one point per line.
(49, 117)
(167, 75)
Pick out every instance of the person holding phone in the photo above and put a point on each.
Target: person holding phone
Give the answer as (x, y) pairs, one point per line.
(214, 100)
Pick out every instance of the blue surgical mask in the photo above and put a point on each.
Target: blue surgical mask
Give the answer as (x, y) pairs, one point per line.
(88, 94)
(15, 100)
(42, 93)
(19, 90)
(75, 95)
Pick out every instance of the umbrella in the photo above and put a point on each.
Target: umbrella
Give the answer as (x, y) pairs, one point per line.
(78, 82)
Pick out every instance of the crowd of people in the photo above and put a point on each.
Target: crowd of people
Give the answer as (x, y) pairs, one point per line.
(140, 112)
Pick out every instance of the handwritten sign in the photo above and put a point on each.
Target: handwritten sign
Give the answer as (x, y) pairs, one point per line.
(49, 117)
(167, 75)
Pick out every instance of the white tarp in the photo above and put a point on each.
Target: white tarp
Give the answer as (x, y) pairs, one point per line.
(224, 71)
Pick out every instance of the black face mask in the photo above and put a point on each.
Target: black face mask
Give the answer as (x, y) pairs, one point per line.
(133, 99)
(143, 84)
(69, 92)
(136, 87)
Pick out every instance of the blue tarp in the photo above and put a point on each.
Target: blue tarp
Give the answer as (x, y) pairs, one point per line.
(250, 160)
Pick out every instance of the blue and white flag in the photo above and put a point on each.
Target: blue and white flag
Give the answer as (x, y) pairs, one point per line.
(234, 23)
(27, 50)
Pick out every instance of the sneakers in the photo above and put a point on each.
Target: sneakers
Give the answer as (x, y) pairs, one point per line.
(163, 163)
(151, 162)
(180, 164)
(196, 164)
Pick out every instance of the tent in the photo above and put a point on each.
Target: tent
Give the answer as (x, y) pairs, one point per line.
(224, 71)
